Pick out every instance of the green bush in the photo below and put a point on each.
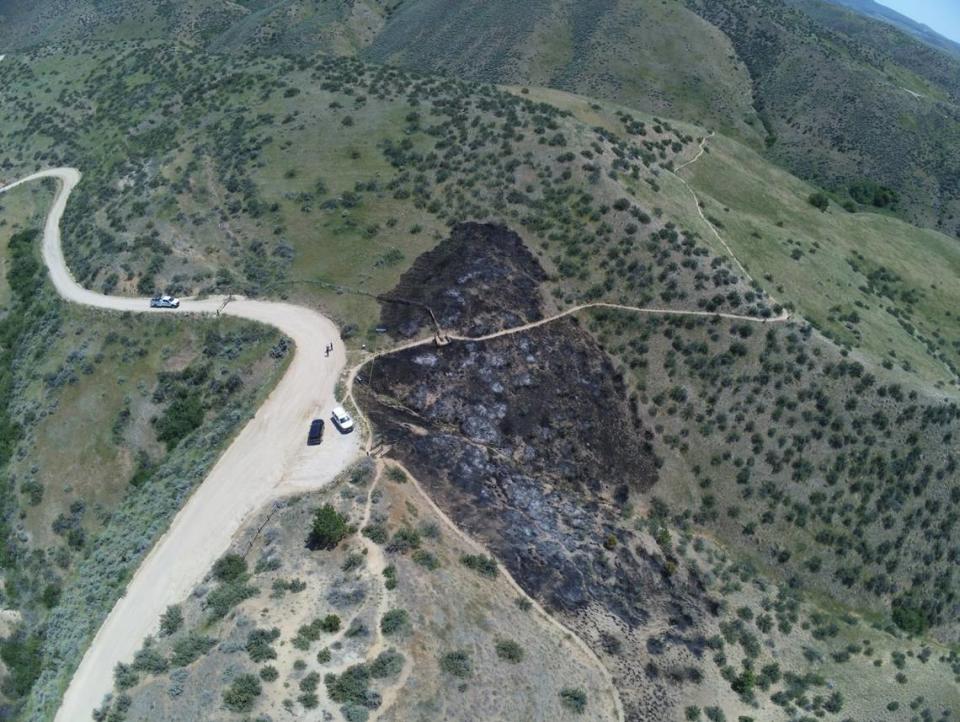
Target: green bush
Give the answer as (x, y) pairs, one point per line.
(171, 620)
(229, 568)
(387, 664)
(482, 565)
(457, 663)
(242, 693)
(351, 687)
(330, 624)
(310, 682)
(21, 655)
(328, 529)
(259, 643)
(909, 618)
(124, 677)
(190, 648)
(509, 650)
(819, 201)
(225, 597)
(149, 659)
(181, 417)
(394, 621)
(574, 700)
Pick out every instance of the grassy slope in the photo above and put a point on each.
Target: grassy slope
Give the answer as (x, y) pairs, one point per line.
(615, 50)
(266, 25)
(448, 607)
(766, 217)
(819, 262)
(839, 102)
(286, 187)
(749, 68)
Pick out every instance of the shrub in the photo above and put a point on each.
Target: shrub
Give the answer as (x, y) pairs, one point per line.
(330, 624)
(124, 677)
(21, 655)
(485, 566)
(574, 700)
(242, 693)
(189, 649)
(269, 673)
(259, 644)
(426, 560)
(229, 568)
(171, 620)
(509, 650)
(149, 659)
(328, 529)
(909, 618)
(351, 687)
(394, 621)
(390, 577)
(715, 714)
(819, 201)
(310, 682)
(181, 417)
(309, 700)
(225, 597)
(404, 540)
(387, 664)
(395, 473)
(457, 663)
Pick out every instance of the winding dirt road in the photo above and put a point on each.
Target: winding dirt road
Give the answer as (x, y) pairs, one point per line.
(266, 460)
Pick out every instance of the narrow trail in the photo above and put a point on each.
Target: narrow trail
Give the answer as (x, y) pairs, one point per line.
(265, 461)
(587, 656)
(703, 217)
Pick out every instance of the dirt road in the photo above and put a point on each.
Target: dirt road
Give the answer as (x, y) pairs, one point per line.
(266, 460)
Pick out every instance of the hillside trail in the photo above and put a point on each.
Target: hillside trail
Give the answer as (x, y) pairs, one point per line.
(703, 217)
(264, 461)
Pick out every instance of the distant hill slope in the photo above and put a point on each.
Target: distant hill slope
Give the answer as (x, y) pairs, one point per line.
(843, 100)
(922, 32)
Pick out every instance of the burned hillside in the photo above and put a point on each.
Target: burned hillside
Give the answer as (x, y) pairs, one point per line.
(528, 443)
(479, 280)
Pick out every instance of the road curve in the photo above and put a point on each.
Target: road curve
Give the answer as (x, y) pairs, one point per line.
(267, 459)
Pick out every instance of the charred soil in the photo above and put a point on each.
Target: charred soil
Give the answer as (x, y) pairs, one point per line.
(479, 280)
(527, 441)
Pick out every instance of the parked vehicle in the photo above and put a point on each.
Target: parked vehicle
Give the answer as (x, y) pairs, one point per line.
(316, 433)
(164, 302)
(342, 420)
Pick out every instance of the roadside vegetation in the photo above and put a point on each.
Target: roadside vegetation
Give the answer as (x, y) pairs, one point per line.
(91, 479)
(313, 637)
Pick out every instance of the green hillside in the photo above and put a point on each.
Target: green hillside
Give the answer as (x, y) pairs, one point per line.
(921, 32)
(838, 98)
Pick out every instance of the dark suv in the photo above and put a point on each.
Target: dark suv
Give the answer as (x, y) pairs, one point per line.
(316, 432)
